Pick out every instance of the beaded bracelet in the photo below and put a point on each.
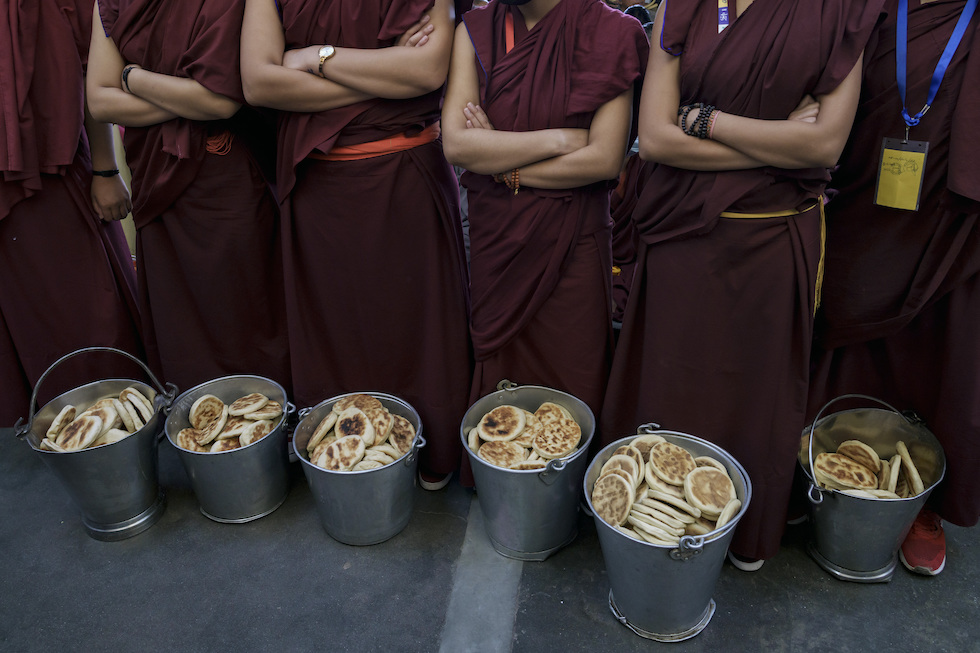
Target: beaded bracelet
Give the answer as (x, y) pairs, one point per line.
(711, 123)
(514, 181)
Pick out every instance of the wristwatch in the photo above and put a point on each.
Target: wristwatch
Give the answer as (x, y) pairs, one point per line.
(326, 52)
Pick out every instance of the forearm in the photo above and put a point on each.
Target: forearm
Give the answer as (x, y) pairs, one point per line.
(580, 168)
(100, 143)
(393, 72)
(785, 144)
(277, 87)
(487, 152)
(112, 104)
(180, 96)
(669, 145)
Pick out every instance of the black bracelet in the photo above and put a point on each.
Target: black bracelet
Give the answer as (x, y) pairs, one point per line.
(683, 113)
(125, 77)
(106, 173)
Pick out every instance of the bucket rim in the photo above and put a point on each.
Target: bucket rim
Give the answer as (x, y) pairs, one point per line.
(418, 443)
(689, 540)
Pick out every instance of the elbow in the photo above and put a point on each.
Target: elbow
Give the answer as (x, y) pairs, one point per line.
(225, 109)
(99, 108)
(451, 152)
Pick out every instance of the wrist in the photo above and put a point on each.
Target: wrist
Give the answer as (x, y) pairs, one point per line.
(124, 78)
(106, 172)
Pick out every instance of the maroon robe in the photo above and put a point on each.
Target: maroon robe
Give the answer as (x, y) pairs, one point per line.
(716, 337)
(66, 278)
(622, 203)
(376, 286)
(901, 302)
(209, 258)
(540, 260)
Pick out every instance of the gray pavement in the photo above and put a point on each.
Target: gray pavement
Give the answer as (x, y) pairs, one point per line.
(281, 583)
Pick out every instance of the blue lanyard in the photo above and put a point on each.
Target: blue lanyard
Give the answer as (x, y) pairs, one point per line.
(901, 57)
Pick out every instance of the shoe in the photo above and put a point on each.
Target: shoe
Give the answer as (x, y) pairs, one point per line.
(924, 549)
(745, 564)
(433, 482)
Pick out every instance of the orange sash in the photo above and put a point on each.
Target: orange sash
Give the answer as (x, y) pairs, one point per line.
(398, 143)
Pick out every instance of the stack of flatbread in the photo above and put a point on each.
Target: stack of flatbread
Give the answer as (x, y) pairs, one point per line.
(655, 491)
(216, 427)
(515, 438)
(359, 434)
(108, 420)
(856, 469)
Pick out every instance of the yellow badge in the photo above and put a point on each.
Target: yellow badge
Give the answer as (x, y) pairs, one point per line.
(900, 173)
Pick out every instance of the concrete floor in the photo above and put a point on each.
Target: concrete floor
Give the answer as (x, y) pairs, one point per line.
(281, 583)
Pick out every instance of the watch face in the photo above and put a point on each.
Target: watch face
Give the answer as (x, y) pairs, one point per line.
(326, 52)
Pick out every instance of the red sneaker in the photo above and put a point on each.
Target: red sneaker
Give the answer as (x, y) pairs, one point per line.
(924, 548)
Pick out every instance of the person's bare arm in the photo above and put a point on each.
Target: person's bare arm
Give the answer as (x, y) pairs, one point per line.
(601, 159)
(487, 151)
(110, 197)
(661, 139)
(394, 73)
(181, 96)
(107, 101)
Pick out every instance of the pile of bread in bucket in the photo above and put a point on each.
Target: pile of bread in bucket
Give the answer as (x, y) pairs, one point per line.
(106, 421)
(655, 491)
(514, 438)
(857, 470)
(217, 427)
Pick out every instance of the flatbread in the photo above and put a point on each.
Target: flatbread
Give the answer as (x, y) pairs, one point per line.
(125, 416)
(671, 463)
(379, 456)
(502, 424)
(838, 469)
(325, 426)
(49, 445)
(699, 526)
(884, 475)
(502, 453)
(343, 454)
(708, 461)
(255, 431)
(860, 453)
(105, 411)
(654, 482)
(612, 498)
(625, 463)
(111, 436)
(668, 509)
(61, 420)
(632, 452)
(187, 439)
(709, 489)
(550, 412)
(402, 435)
(912, 474)
(211, 429)
(234, 426)
(247, 404)
(731, 509)
(140, 401)
(271, 410)
(532, 426)
(530, 464)
(366, 465)
(894, 470)
(473, 439)
(228, 444)
(388, 449)
(362, 401)
(383, 422)
(694, 511)
(643, 444)
(558, 438)
(205, 410)
(670, 530)
(80, 433)
(353, 421)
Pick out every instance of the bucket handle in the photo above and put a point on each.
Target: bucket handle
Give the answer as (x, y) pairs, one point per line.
(164, 398)
(552, 471)
(649, 427)
(688, 547)
(507, 384)
(820, 413)
(814, 494)
(419, 443)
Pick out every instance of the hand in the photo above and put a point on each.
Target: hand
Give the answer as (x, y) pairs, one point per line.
(418, 34)
(806, 111)
(110, 198)
(306, 59)
(475, 117)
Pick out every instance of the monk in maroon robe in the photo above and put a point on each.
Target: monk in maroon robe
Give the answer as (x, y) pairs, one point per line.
(66, 278)
(901, 301)
(716, 336)
(209, 258)
(376, 286)
(538, 110)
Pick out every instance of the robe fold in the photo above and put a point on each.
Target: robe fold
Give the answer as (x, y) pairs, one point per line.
(66, 278)
(541, 259)
(901, 299)
(717, 332)
(376, 282)
(208, 249)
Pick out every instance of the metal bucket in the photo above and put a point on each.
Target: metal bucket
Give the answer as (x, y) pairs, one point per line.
(663, 592)
(115, 486)
(363, 507)
(855, 538)
(530, 514)
(240, 485)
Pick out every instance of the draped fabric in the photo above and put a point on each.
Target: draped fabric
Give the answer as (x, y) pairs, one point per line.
(66, 280)
(717, 332)
(557, 75)
(376, 282)
(901, 298)
(209, 254)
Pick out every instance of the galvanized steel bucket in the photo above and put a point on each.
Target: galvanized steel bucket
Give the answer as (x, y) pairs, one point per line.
(664, 592)
(362, 507)
(854, 538)
(115, 486)
(243, 484)
(530, 514)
